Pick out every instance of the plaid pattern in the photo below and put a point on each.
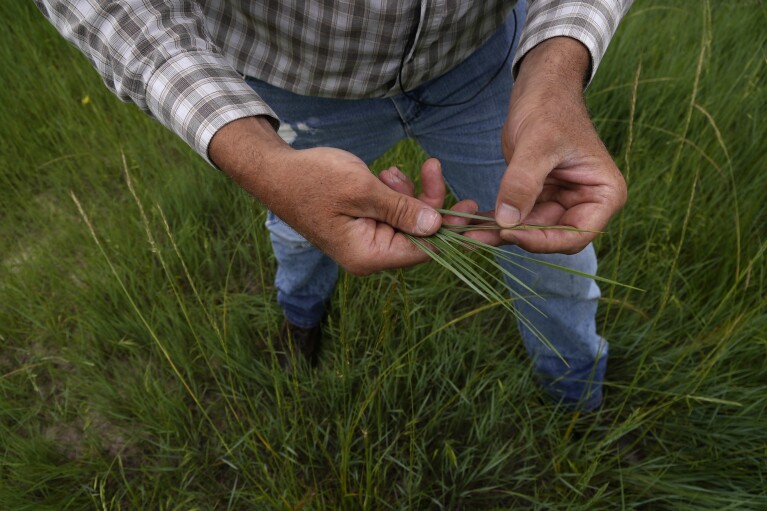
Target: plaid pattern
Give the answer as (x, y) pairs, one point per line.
(183, 61)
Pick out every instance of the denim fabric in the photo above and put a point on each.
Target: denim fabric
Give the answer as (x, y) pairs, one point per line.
(466, 139)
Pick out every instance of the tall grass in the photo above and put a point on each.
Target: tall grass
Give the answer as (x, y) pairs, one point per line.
(136, 320)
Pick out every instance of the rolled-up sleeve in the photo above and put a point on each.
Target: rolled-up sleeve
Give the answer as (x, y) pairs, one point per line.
(157, 55)
(593, 23)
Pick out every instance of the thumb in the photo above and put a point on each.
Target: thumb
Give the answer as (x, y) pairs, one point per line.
(402, 212)
(520, 187)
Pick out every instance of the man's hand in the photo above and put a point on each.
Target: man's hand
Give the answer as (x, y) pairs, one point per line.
(559, 172)
(399, 182)
(330, 197)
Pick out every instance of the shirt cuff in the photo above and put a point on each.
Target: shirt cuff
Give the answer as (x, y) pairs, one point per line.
(593, 23)
(196, 93)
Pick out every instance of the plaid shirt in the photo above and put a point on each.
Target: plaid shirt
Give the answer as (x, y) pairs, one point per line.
(183, 61)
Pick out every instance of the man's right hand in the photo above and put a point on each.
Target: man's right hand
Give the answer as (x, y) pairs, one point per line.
(331, 198)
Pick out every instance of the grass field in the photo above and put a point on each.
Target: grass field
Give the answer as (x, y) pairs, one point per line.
(134, 372)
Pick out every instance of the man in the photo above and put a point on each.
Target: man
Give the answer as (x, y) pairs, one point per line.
(346, 80)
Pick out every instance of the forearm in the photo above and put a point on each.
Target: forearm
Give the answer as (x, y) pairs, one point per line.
(561, 62)
(552, 73)
(248, 150)
(592, 23)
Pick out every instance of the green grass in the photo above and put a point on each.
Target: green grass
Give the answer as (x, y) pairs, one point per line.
(134, 369)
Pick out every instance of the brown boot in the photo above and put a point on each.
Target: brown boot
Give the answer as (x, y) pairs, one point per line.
(295, 342)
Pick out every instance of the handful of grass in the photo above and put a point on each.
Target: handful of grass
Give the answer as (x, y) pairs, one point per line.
(466, 258)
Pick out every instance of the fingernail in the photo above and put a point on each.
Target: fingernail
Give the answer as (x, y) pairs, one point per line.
(398, 175)
(426, 220)
(507, 215)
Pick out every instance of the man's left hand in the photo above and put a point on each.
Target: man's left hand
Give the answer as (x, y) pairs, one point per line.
(559, 171)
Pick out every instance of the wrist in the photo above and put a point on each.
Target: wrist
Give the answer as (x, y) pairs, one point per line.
(245, 148)
(561, 63)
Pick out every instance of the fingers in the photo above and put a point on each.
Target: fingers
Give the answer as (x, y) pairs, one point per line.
(397, 181)
(400, 210)
(520, 187)
(490, 237)
(547, 241)
(380, 247)
(590, 217)
(584, 198)
(432, 183)
(388, 249)
(398, 207)
(464, 206)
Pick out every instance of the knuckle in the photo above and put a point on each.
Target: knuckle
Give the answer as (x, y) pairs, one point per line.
(398, 211)
(620, 192)
(524, 188)
(623, 192)
(358, 271)
(573, 250)
(353, 194)
(357, 266)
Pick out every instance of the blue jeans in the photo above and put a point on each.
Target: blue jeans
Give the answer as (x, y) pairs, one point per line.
(466, 139)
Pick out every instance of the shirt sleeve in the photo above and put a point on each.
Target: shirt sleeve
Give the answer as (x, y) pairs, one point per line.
(592, 22)
(158, 55)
